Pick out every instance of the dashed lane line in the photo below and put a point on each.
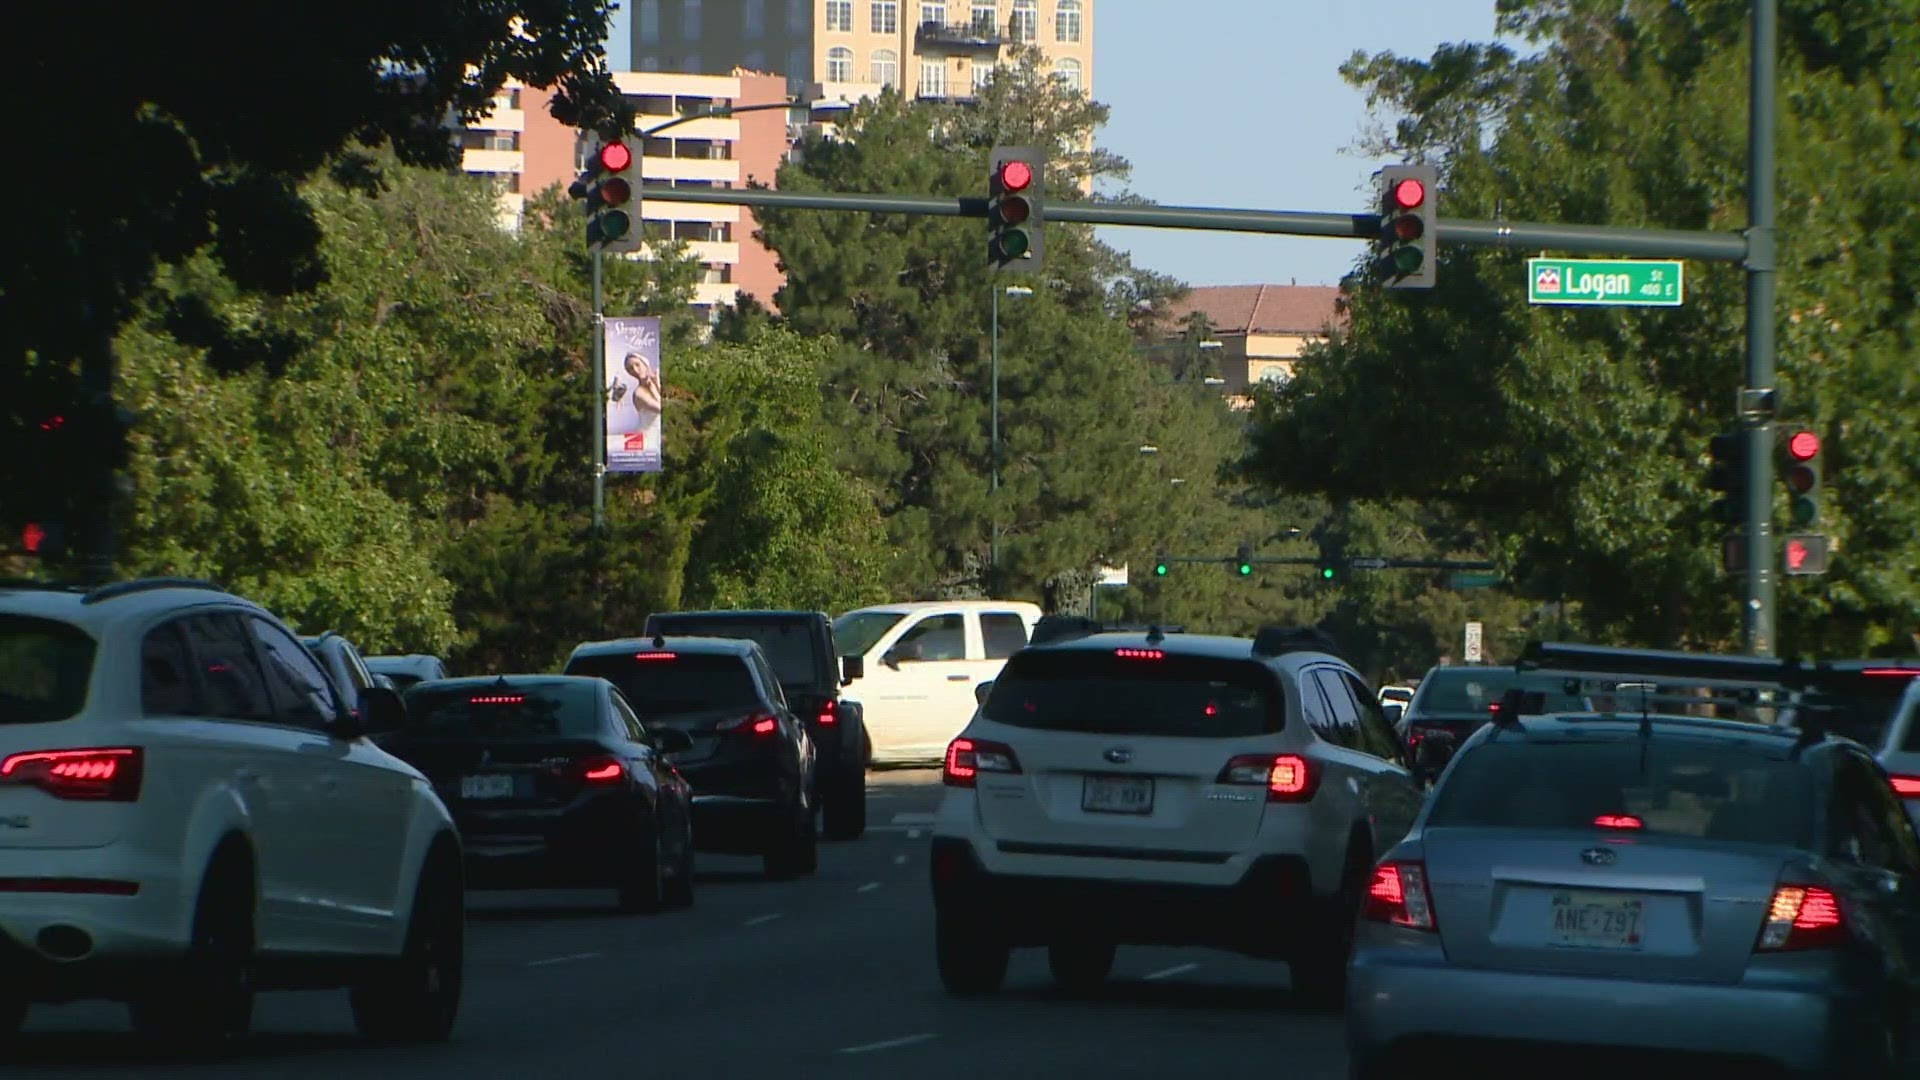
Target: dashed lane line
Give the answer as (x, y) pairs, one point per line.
(868, 887)
(913, 818)
(1168, 973)
(551, 960)
(763, 920)
(889, 1044)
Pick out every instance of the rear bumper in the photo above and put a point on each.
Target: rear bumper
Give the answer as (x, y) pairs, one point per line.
(128, 938)
(1268, 912)
(1403, 996)
(584, 846)
(741, 824)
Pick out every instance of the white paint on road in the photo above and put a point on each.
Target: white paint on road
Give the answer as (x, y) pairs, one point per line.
(763, 919)
(562, 959)
(889, 1044)
(1168, 973)
(869, 886)
(899, 860)
(913, 834)
(915, 818)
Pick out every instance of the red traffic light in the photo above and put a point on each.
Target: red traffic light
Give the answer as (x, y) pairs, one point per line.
(1409, 227)
(1016, 175)
(1409, 193)
(615, 157)
(32, 537)
(53, 423)
(615, 192)
(1797, 554)
(1803, 446)
(1014, 211)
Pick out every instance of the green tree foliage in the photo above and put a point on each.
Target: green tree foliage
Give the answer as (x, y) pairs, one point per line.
(1579, 436)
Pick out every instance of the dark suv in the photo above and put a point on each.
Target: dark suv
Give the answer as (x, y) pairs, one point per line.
(1456, 700)
(800, 646)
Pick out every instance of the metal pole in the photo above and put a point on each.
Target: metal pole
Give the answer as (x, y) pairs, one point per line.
(1761, 281)
(102, 487)
(993, 444)
(599, 424)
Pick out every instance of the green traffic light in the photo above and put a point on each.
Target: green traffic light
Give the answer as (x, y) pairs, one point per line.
(614, 224)
(1326, 573)
(1013, 244)
(1407, 260)
(1246, 569)
(1805, 512)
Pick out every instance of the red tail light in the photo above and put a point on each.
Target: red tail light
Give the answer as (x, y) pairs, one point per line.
(968, 758)
(1398, 894)
(1907, 787)
(102, 773)
(1802, 917)
(1288, 778)
(602, 770)
(1619, 821)
(756, 724)
(829, 712)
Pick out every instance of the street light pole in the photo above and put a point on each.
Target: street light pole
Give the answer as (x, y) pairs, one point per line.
(993, 444)
(599, 424)
(1757, 620)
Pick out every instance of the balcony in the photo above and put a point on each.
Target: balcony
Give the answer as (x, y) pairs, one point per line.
(709, 169)
(492, 161)
(960, 37)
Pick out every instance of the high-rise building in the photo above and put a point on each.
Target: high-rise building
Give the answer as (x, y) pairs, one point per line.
(844, 50)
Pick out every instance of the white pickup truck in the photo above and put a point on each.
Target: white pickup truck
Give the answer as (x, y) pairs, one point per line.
(922, 662)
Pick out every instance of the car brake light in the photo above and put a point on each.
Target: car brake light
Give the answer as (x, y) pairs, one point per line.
(968, 758)
(755, 724)
(1140, 654)
(655, 656)
(602, 770)
(1802, 917)
(1288, 778)
(1398, 894)
(829, 712)
(1907, 787)
(1619, 821)
(109, 774)
(497, 699)
(1891, 672)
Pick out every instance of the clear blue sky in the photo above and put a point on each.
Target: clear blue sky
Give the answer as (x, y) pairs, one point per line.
(1250, 111)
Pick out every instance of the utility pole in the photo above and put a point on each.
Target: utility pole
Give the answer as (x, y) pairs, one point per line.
(599, 424)
(993, 442)
(1757, 615)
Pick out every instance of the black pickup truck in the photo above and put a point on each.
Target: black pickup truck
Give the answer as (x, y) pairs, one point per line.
(799, 645)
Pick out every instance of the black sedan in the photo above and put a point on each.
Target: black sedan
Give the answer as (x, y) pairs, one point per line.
(554, 783)
(751, 762)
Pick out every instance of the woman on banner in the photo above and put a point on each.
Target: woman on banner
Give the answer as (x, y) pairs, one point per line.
(646, 392)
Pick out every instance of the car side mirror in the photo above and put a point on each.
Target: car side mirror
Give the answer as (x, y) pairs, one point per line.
(381, 713)
(851, 668)
(1393, 711)
(891, 659)
(980, 692)
(671, 740)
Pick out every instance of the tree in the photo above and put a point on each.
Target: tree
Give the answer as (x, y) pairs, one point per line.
(1578, 437)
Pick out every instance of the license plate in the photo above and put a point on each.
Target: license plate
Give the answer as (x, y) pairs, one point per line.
(1589, 920)
(1117, 795)
(486, 787)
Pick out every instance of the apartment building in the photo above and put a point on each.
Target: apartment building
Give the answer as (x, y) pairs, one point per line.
(526, 150)
(1262, 329)
(845, 50)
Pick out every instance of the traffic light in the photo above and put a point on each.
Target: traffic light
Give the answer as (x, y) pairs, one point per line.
(1727, 474)
(607, 189)
(1016, 209)
(1243, 560)
(1327, 572)
(1160, 564)
(1802, 474)
(1805, 554)
(1407, 250)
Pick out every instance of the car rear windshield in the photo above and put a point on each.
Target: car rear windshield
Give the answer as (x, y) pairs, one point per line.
(544, 710)
(666, 682)
(1861, 709)
(787, 643)
(45, 666)
(1474, 689)
(1100, 692)
(1715, 790)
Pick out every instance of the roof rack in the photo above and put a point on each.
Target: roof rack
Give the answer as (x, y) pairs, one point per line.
(1694, 668)
(38, 585)
(1281, 640)
(139, 585)
(1053, 628)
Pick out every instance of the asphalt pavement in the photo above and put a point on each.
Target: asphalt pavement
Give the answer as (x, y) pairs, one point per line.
(829, 976)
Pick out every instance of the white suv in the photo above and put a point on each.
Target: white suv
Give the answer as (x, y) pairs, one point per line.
(188, 813)
(1165, 789)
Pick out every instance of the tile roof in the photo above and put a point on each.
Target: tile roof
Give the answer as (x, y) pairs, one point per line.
(1258, 309)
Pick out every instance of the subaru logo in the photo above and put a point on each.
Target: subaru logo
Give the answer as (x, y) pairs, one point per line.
(1598, 856)
(1119, 755)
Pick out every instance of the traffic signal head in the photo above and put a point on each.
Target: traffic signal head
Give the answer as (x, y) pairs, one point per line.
(1016, 225)
(1409, 225)
(1805, 555)
(1326, 573)
(1802, 475)
(607, 189)
(1727, 474)
(1160, 564)
(1243, 561)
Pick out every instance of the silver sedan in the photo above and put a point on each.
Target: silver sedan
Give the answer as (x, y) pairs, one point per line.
(1665, 884)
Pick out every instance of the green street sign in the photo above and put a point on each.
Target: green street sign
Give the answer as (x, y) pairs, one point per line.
(1604, 282)
(1461, 579)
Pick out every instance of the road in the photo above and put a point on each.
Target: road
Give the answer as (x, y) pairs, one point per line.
(831, 976)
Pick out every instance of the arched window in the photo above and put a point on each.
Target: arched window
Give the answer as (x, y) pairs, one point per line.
(839, 64)
(884, 67)
(1066, 22)
(1067, 70)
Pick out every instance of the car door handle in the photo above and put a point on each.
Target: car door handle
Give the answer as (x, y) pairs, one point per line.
(958, 678)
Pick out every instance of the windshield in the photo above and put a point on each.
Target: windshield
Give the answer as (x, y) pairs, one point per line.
(857, 632)
(787, 643)
(1475, 689)
(1862, 710)
(44, 669)
(518, 710)
(1103, 693)
(661, 683)
(1711, 790)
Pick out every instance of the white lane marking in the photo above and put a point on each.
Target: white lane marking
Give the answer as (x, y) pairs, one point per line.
(915, 818)
(868, 887)
(562, 959)
(763, 919)
(913, 834)
(1168, 973)
(889, 1044)
(899, 860)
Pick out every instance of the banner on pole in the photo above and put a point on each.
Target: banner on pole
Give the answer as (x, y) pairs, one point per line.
(633, 394)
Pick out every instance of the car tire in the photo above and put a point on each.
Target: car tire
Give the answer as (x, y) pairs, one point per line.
(1319, 970)
(643, 884)
(972, 963)
(845, 815)
(1080, 967)
(211, 1002)
(796, 852)
(417, 998)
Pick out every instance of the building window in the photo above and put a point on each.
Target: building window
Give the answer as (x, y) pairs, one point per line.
(982, 75)
(650, 21)
(796, 17)
(1067, 70)
(690, 20)
(840, 14)
(986, 18)
(886, 17)
(649, 63)
(885, 68)
(839, 64)
(691, 65)
(753, 19)
(1026, 21)
(755, 60)
(799, 66)
(1066, 22)
(933, 13)
(933, 78)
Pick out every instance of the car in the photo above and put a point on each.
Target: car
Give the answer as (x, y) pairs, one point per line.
(1647, 883)
(800, 647)
(1458, 698)
(750, 763)
(555, 783)
(190, 813)
(405, 671)
(1121, 787)
(342, 663)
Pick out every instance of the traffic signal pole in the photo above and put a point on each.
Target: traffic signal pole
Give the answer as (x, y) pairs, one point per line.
(599, 420)
(1757, 614)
